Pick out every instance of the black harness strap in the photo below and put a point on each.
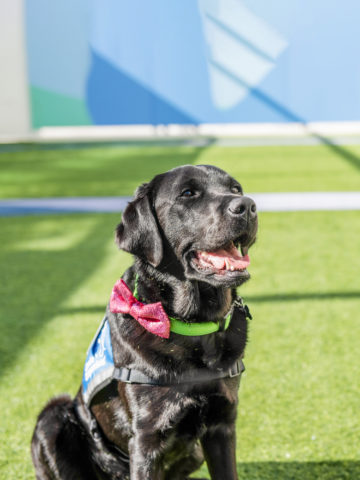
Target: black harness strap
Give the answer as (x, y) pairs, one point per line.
(128, 375)
(100, 369)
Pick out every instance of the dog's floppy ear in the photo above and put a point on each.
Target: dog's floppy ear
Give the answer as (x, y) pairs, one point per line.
(138, 232)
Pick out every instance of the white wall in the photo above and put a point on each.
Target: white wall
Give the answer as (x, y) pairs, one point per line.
(14, 98)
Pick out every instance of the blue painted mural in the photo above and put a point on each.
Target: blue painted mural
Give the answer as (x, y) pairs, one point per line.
(192, 61)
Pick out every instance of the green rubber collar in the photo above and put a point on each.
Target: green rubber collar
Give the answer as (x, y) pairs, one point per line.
(190, 329)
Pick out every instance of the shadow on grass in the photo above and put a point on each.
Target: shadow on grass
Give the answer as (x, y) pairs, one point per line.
(35, 282)
(327, 470)
(293, 297)
(89, 172)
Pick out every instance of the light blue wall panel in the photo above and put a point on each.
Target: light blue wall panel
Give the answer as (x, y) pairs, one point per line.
(196, 61)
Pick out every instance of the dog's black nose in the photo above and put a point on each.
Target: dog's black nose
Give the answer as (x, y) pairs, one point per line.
(244, 206)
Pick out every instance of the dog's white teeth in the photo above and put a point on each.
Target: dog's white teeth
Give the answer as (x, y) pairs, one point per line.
(232, 268)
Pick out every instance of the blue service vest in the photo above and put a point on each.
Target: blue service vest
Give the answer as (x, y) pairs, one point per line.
(99, 364)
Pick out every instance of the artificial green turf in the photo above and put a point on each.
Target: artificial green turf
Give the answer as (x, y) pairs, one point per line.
(119, 170)
(298, 414)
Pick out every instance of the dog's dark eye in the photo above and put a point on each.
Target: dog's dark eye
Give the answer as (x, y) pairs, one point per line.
(236, 189)
(187, 193)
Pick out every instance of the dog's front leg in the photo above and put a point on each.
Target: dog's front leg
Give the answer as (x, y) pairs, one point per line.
(219, 451)
(145, 462)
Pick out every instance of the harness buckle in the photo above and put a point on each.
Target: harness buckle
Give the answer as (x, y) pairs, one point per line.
(236, 369)
(123, 374)
(239, 303)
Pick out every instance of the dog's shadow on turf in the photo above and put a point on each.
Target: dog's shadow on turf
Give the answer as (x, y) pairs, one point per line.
(326, 470)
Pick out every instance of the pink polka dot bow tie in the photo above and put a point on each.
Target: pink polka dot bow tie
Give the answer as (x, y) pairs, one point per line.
(151, 316)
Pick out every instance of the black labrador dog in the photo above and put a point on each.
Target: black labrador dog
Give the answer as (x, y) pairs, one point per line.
(173, 401)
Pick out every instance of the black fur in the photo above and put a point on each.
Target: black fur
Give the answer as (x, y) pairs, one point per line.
(143, 432)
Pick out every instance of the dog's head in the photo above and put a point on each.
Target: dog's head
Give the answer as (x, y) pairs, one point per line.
(195, 219)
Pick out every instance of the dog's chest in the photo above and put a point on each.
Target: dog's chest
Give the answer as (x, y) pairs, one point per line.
(184, 413)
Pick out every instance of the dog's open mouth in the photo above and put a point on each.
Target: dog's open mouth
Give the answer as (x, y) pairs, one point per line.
(222, 261)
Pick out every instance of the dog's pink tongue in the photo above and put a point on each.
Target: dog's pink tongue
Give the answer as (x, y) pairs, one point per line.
(225, 259)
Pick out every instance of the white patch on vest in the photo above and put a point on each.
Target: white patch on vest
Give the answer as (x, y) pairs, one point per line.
(97, 361)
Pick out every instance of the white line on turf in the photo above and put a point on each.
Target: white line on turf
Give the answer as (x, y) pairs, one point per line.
(266, 202)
